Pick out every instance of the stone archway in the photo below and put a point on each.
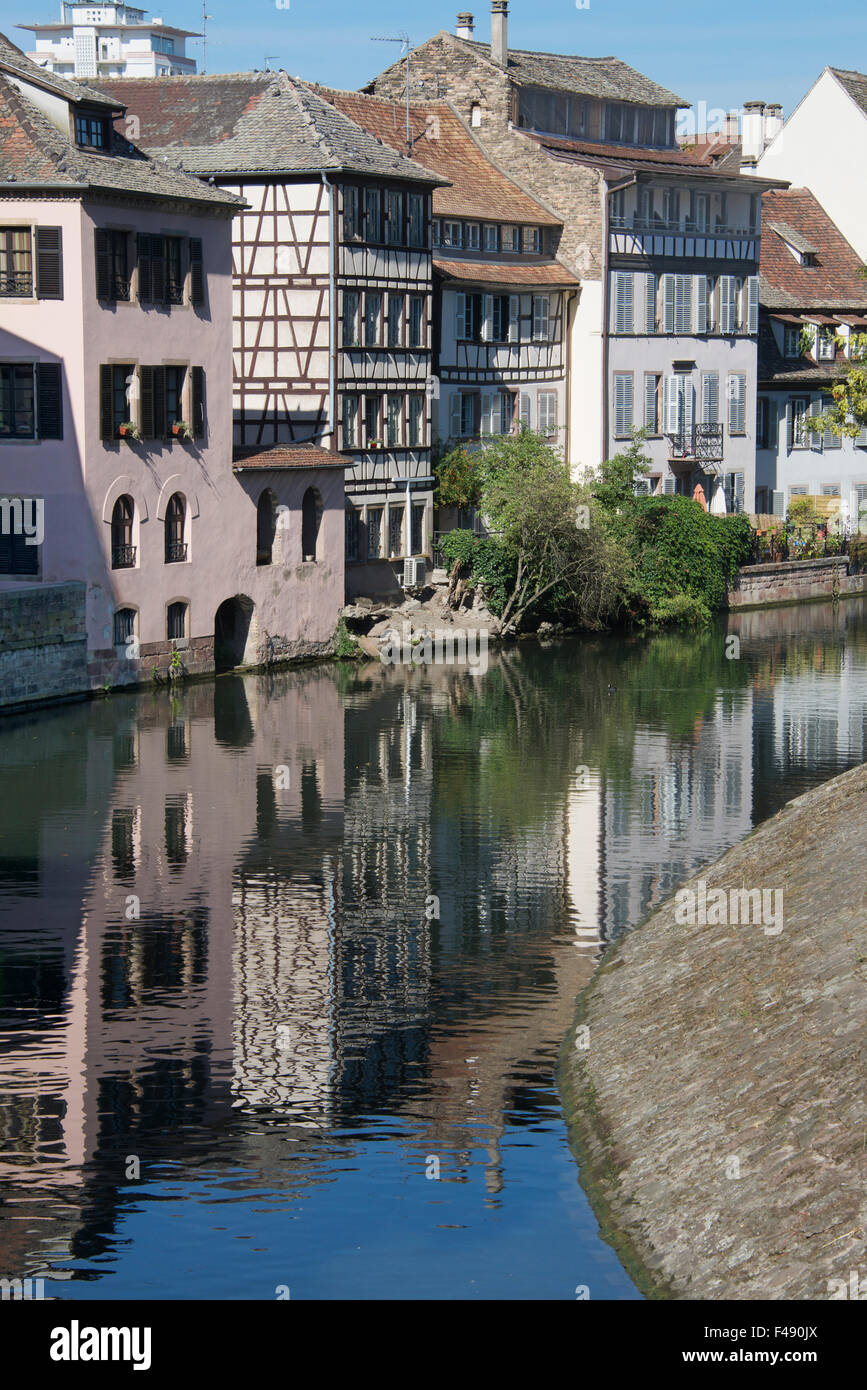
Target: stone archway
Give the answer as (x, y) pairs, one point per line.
(234, 634)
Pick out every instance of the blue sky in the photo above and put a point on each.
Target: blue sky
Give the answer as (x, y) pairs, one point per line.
(722, 52)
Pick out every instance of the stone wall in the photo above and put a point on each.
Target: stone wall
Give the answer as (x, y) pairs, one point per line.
(794, 581)
(43, 644)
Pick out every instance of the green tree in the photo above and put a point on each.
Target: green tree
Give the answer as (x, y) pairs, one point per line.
(614, 484)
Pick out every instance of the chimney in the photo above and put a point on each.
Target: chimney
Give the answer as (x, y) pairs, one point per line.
(466, 26)
(773, 121)
(731, 129)
(500, 32)
(753, 134)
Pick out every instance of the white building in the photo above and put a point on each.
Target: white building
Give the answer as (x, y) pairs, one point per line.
(110, 41)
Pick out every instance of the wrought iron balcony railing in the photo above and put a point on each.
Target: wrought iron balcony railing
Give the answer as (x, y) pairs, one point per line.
(175, 552)
(703, 443)
(122, 557)
(19, 284)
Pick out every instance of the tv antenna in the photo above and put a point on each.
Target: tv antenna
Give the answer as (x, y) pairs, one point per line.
(205, 18)
(402, 39)
(268, 59)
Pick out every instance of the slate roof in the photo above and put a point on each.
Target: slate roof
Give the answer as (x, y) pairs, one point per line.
(441, 142)
(832, 283)
(630, 158)
(550, 273)
(254, 123)
(607, 78)
(855, 84)
(308, 455)
(32, 150)
(13, 61)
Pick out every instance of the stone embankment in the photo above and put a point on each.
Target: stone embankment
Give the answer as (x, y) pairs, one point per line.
(444, 607)
(716, 1084)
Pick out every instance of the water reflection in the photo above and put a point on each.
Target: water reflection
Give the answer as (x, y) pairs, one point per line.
(284, 940)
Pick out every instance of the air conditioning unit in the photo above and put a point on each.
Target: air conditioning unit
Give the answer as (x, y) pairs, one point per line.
(414, 571)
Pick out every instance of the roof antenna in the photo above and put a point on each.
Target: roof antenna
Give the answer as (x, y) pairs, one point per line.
(403, 39)
(205, 18)
(268, 59)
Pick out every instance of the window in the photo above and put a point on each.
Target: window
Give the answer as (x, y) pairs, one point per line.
(762, 423)
(453, 234)
(827, 344)
(734, 491)
(114, 405)
(472, 236)
(122, 548)
(176, 621)
(159, 270)
(652, 382)
(830, 490)
(394, 218)
(710, 398)
(792, 342)
(468, 317)
(462, 420)
(415, 421)
(728, 304)
(799, 411)
(175, 545)
(683, 303)
(19, 553)
(700, 212)
(491, 237)
(371, 421)
(266, 527)
(526, 409)
(624, 308)
(532, 241)
(175, 378)
(511, 239)
(618, 208)
(124, 626)
(112, 267)
(548, 412)
(91, 131)
(737, 394)
(17, 400)
(436, 232)
(651, 292)
(16, 262)
(497, 413)
(374, 533)
(395, 531)
(311, 520)
(395, 319)
(351, 214)
(352, 517)
(541, 318)
(622, 404)
(671, 208)
(372, 214)
(393, 421)
(350, 318)
(678, 407)
(498, 325)
(644, 215)
(350, 422)
(162, 398)
(416, 523)
(372, 316)
(416, 321)
(416, 219)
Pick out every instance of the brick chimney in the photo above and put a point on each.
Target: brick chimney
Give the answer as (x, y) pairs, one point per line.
(753, 133)
(466, 26)
(732, 128)
(500, 32)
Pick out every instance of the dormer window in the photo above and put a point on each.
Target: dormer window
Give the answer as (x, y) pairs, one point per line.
(808, 258)
(91, 131)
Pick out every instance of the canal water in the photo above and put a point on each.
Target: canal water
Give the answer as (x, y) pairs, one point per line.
(286, 960)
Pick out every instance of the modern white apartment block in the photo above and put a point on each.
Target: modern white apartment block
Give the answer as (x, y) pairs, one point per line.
(110, 41)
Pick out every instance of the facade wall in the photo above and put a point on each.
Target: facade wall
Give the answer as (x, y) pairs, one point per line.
(819, 465)
(43, 643)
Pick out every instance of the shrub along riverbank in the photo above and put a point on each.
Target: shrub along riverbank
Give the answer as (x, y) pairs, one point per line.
(590, 554)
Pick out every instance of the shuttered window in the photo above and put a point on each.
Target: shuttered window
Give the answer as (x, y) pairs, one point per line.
(683, 303)
(728, 304)
(701, 304)
(650, 289)
(678, 411)
(514, 318)
(350, 421)
(541, 318)
(16, 262)
(49, 400)
(114, 404)
(624, 305)
(49, 263)
(753, 304)
(651, 402)
(623, 388)
(198, 401)
(197, 272)
(710, 398)
(160, 276)
(737, 394)
(17, 400)
(460, 316)
(548, 411)
(112, 266)
(668, 303)
(526, 410)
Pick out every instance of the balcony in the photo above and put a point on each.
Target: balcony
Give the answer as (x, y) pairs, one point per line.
(639, 237)
(176, 552)
(703, 444)
(122, 557)
(17, 284)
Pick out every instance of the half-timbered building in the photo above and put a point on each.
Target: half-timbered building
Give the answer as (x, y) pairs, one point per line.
(332, 281)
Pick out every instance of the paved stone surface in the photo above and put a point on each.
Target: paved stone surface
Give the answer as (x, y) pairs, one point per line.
(720, 1105)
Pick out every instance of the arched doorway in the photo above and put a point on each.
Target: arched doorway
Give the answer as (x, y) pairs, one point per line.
(232, 633)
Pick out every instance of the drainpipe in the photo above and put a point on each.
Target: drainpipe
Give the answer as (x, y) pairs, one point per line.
(332, 309)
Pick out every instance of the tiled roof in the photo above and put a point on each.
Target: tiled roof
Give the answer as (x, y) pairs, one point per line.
(441, 142)
(287, 456)
(855, 84)
(722, 154)
(32, 150)
(608, 78)
(627, 157)
(13, 61)
(254, 122)
(832, 283)
(507, 272)
(774, 368)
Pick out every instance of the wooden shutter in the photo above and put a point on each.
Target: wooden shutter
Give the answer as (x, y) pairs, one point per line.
(650, 303)
(145, 278)
(701, 304)
(49, 400)
(487, 317)
(790, 426)
(668, 486)
(486, 425)
(687, 395)
(651, 403)
(540, 317)
(526, 407)
(778, 503)
(158, 270)
(198, 399)
(622, 403)
(455, 413)
(146, 384)
(727, 294)
(753, 304)
(669, 405)
(737, 391)
(668, 303)
(710, 398)
(104, 286)
(160, 427)
(624, 310)
(106, 403)
(815, 436)
(514, 321)
(49, 263)
(683, 304)
(197, 272)
(738, 491)
(460, 316)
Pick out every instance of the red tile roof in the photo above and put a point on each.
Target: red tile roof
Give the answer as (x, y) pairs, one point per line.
(442, 142)
(287, 456)
(507, 272)
(832, 283)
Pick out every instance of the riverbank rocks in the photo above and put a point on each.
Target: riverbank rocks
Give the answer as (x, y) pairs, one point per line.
(716, 1080)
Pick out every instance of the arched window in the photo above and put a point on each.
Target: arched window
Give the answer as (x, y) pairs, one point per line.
(176, 546)
(176, 620)
(266, 527)
(122, 548)
(311, 517)
(124, 626)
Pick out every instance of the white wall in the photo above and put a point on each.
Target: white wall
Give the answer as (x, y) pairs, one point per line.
(585, 380)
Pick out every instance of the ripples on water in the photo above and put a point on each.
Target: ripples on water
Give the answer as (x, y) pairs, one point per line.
(300, 950)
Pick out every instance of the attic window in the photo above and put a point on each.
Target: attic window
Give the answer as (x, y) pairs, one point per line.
(91, 131)
(808, 258)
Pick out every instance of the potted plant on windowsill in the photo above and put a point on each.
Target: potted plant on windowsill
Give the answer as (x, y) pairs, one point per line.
(181, 430)
(129, 430)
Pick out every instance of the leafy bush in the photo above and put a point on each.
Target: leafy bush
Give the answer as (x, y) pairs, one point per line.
(458, 478)
(346, 648)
